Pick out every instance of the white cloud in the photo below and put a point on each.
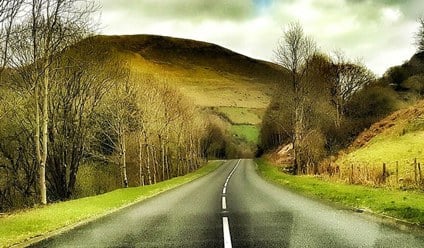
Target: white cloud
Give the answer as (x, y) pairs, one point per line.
(379, 33)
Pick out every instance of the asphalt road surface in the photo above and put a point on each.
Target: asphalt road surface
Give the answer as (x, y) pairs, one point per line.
(234, 207)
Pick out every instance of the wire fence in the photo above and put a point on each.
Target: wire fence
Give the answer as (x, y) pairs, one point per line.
(403, 175)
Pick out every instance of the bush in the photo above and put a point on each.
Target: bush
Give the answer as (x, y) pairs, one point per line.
(372, 103)
(96, 178)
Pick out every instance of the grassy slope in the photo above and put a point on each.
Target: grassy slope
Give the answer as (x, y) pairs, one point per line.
(406, 205)
(20, 226)
(397, 138)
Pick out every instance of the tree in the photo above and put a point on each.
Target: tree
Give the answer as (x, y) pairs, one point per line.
(347, 79)
(419, 37)
(48, 29)
(120, 117)
(8, 11)
(294, 52)
(80, 81)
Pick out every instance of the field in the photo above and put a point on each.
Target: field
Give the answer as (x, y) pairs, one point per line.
(249, 133)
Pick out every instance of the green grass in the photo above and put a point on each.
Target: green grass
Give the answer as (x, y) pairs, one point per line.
(250, 133)
(240, 115)
(403, 149)
(401, 143)
(406, 205)
(20, 226)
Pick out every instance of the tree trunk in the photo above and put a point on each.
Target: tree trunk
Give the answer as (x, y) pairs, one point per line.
(140, 161)
(124, 160)
(162, 153)
(44, 127)
(155, 164)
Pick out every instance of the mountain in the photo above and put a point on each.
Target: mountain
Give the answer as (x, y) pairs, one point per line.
(234, 87)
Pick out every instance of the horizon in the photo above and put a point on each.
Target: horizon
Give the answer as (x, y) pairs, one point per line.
(380, 34)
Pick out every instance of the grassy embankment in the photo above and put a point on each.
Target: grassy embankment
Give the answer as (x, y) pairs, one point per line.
(405, 205)
(20, 226)
(397, 139)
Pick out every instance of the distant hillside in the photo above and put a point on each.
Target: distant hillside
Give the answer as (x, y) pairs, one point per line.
(226, 84)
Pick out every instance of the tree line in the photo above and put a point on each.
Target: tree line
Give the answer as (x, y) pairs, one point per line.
(69, 103)
(322, 103)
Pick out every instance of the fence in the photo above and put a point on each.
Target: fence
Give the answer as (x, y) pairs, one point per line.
(404, 175)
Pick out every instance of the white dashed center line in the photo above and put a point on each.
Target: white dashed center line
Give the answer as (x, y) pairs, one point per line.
(226, 230)
(225, 224)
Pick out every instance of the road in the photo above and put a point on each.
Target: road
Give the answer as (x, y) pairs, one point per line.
(234, 207)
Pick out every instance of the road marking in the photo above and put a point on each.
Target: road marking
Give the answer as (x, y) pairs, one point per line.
(226, 230)
(225, 225)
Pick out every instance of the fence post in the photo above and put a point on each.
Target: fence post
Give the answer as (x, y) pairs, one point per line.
(397, 173)
(421, 176)
(384, 172)
(351, 173)
(415, 171)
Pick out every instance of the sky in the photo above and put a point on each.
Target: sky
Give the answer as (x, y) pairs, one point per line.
(379, 33)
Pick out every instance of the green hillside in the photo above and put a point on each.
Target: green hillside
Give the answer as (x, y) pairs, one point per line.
(397, 139)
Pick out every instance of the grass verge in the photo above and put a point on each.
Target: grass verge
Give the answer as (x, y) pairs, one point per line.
(404, 205)
(21, 226)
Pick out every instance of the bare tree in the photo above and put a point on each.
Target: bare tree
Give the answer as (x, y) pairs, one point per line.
(50, 27)
(120, 115)
(347, 79)
(294, 52)
(9, 10)
(419, 37)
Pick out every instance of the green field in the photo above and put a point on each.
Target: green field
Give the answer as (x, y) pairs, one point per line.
(20, 226)
(249, 133)
(405, 205)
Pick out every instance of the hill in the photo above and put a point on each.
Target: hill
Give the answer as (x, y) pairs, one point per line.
(396, 139)
(226, 84)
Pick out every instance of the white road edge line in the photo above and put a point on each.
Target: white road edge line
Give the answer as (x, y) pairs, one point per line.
(226, 230)
(224, 203)
(224, 190)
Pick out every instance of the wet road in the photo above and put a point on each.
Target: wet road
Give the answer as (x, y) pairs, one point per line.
(233, 206)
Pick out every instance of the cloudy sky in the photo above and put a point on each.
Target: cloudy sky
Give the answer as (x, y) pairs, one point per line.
(378, 32)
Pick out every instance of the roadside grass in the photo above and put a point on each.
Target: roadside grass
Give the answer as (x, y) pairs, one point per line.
(250, 133)
(405, 205)
(20, 226)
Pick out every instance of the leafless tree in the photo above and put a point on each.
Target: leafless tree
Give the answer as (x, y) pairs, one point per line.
(419, 37)
(347, 79)
(49, 27)
(9, 10)
(294, 52)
